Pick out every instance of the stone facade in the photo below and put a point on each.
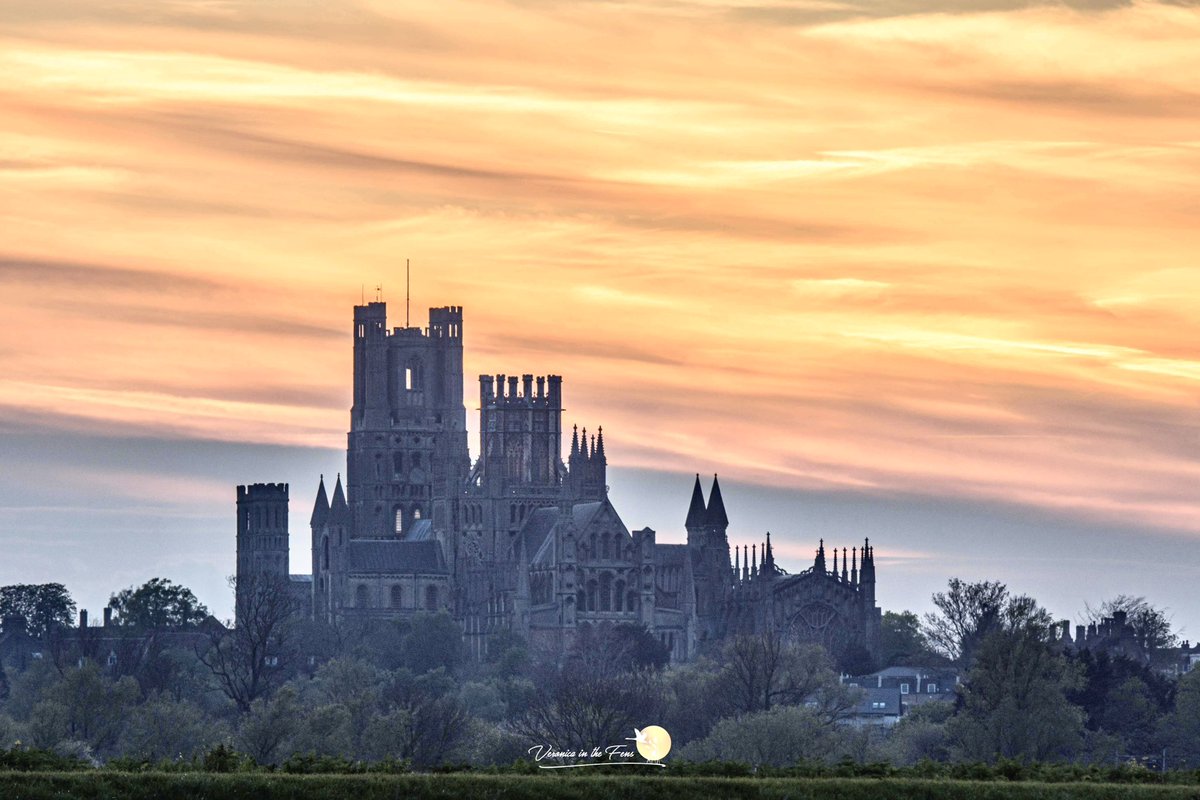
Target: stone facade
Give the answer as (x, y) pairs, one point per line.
(519, 540)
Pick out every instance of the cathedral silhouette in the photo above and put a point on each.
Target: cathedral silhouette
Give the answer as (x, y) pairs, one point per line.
(519, 541)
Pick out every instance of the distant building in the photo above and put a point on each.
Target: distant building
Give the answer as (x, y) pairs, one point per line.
(520, 540)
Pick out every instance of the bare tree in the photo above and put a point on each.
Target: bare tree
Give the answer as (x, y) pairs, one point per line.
(252, 657)
(764, 670)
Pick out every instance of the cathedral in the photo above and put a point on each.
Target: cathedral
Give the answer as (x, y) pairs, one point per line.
(519, 540)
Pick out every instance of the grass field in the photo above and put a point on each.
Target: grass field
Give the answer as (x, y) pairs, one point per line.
(210, 786)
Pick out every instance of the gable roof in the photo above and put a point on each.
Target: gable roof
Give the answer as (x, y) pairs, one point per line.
(387, 556)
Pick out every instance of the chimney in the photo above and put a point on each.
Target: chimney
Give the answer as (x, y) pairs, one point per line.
(83, 618)
(107, 616)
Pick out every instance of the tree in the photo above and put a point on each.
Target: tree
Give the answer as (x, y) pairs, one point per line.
(433, 641)
(763, 670)
(901, 640)
(253, 657)
(969, 612)
(1151, 626)
(1014, 702)
(164, 728)
(157, 603)
(1180, 730)
(83, 706)
(780, 737)
(44, 606)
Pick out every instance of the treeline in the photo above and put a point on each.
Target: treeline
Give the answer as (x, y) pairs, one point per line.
(293, 695)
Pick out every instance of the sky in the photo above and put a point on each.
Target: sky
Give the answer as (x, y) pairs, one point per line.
(915, 270)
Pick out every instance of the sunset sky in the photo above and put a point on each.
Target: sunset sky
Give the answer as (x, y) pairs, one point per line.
(919, 271)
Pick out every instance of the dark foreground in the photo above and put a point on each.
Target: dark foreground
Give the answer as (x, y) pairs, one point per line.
(211, 786)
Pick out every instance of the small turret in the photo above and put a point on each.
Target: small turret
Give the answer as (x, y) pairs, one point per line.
(320, 508)
(819, 561)
(716, 516)
(845, 576)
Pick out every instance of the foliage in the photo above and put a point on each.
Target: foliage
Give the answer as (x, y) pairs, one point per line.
(778, 737)
(763, 670)
(1014, 701)
(969, 612)
(157, 603)
(1151, 626)
(44, 606)
(901, 640)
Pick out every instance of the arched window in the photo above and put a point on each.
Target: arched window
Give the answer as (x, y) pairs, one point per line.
(397, 464)
(414, 375)
(397, 595)
(606, 589)
(416, 514)
(631, 601)
(605, 553)
(325, 549)
(619, 596)
(593, 600)
(360, 596)
(580, 601)
(399, 520)
(431, 598)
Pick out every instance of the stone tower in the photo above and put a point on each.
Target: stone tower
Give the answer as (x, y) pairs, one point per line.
(407, 450)
(262, 532)
(708, 546)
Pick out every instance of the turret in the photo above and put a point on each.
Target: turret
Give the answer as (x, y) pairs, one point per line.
(868, 573)
(697, 516)
(819, 561)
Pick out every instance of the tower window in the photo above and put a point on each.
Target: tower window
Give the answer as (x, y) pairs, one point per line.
(431, 598)
(399, 520)
(360, 596)
(408, 379)
(397, 595)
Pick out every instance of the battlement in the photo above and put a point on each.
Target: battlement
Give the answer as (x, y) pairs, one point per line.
(503, 390)
(261, 492)
(370, 321)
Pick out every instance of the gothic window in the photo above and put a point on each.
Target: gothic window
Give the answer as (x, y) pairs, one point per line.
(632, 601)
(619, 596)
(398, 520)
(580, 601)
(604, 544)
(431, 598)
(397, 464)
(592, 599)
(360, 596)
(606, 590)
(413, 375)
(397, 595)
(325, 548)
(416, 514)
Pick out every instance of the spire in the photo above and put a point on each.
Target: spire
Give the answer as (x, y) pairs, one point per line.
(716, 507)
(854, 570)
(338, 510)
(321, 507)
(768, 557)
(598, 452)
(835, 561)
(819, 561)
(574, 441)
(737, 554)
(745, 563)
(696, 511)
(844, 562)
(754, 560)
(583, 449)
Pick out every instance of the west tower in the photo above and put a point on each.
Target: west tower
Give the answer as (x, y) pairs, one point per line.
(407, 451)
